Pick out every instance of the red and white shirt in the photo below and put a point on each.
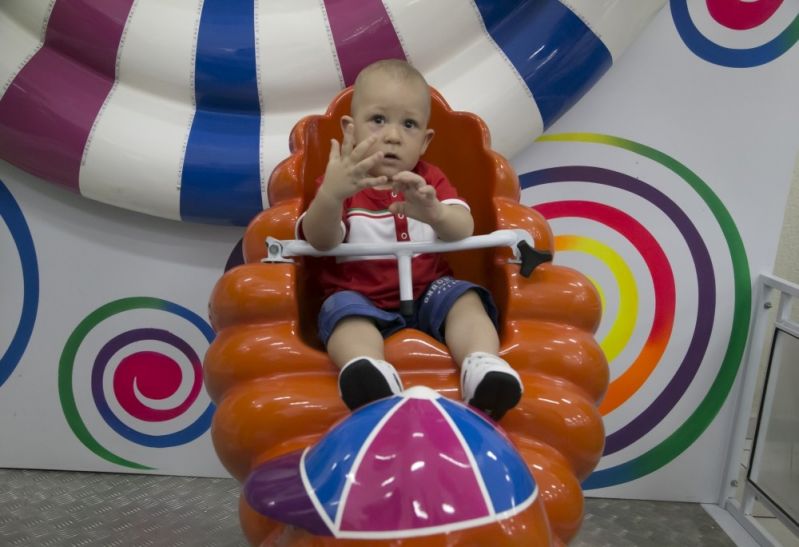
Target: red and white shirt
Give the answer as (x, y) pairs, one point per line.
(366, 219)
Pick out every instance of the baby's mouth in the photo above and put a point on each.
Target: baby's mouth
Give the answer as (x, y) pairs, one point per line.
(390, 156)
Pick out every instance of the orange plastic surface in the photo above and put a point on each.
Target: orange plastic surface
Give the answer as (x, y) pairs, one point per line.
(276, 389)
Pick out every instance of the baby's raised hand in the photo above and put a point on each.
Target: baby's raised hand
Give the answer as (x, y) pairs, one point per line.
(420, 202)
(348, 167)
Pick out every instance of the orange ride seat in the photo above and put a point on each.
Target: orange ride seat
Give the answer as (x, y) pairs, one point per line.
(276, 389)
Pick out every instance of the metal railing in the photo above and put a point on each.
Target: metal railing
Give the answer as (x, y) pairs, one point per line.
(764, 331)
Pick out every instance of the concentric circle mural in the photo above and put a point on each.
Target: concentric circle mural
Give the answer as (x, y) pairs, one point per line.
(23, 273)
(130, 375)
(737, 33)
(670, 266)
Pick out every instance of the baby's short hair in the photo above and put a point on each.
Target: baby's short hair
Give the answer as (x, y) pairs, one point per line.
(396, 68)
(393, 68)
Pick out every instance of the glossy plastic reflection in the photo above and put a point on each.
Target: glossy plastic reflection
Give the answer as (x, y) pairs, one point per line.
(276, 389)
(412, 465)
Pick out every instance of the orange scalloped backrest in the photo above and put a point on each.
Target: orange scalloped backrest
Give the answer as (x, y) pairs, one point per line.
(461, 148)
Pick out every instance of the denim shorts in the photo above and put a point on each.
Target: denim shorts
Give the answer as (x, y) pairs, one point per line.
(430, 309)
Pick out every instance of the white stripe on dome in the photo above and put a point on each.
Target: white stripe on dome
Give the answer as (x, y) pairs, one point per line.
(297, 72)
(447, 41)
(421, 392)
(296, 59)
(615, 22)
(356, 463)
(442, 528)
(309, 489)
(472, 461)
(23, 24)
(135, 154)
(451, 527)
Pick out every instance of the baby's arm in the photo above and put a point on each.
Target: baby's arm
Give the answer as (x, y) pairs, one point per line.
(450, 222)
(456, 223)
(321, 224)
(346, 174)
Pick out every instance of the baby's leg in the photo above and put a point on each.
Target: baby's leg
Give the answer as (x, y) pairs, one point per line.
(354, 337)
(487, 381)
(348, 327)
(356, 347)
(468, 328)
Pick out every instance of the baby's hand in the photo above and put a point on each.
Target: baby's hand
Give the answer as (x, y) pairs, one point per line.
(420, 202)
(348, 167)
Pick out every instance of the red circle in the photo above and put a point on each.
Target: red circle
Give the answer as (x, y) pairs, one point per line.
(155, 376)
(739, 15)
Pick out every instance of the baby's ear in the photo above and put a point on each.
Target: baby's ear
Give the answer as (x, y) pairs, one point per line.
(428, 136)
(346, 121)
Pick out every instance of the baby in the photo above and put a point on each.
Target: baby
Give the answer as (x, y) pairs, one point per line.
(376, 189)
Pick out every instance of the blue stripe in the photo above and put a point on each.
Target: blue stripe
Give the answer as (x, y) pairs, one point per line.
(11, 213)
(177, 438)
(554, 52)
(329, 462)
(221, 180)
(506, 476)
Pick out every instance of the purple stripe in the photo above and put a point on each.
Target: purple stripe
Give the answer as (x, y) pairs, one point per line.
(705, 280)
(275, 489)
(363, 33)
(49, 109)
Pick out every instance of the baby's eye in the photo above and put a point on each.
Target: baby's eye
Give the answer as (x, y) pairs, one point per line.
(410, 124)
(377, 118)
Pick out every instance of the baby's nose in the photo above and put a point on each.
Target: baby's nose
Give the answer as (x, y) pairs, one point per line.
(391, 133)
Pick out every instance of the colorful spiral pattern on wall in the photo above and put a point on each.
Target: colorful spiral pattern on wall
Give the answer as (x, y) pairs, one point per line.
(716, 30)
(670, 265)
(139, 386)
(12, 216)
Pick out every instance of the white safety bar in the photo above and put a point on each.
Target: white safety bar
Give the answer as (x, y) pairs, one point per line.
(282, 251)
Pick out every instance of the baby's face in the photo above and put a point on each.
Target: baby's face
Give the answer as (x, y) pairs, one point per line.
(397, 112)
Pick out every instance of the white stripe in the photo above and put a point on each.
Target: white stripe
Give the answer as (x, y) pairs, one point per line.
(134, 158)
(297, 67)
(420, 231)
(309, 489)
(356, 463)
(23, 24)
(447, 41)
(366, 229)
(516, 509)
(443, 528)
(616, 22)
(472, 461)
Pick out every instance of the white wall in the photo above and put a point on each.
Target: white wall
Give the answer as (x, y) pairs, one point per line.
(787, 264)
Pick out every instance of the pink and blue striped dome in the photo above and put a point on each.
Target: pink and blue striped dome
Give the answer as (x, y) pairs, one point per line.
(411, 465)
(183, 109)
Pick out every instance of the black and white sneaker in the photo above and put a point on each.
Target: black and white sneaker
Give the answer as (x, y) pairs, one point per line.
(490, 384)
(363, 380)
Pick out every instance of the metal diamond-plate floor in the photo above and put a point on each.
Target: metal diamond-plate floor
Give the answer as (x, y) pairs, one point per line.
(55, 508)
